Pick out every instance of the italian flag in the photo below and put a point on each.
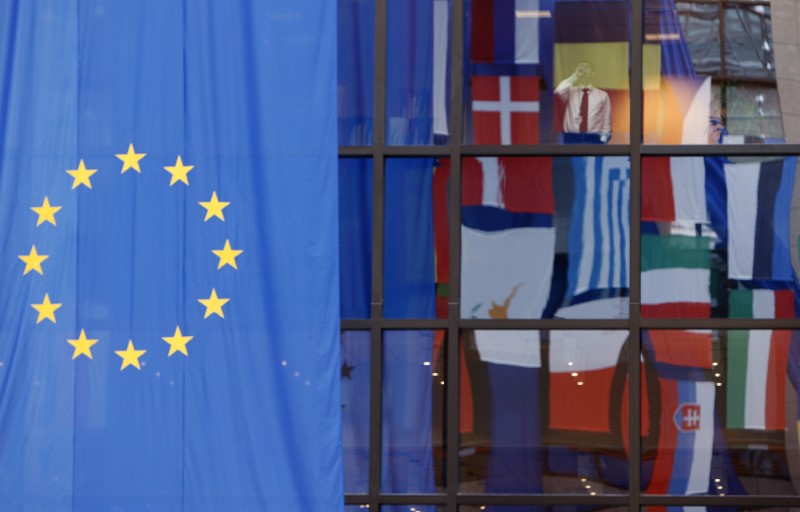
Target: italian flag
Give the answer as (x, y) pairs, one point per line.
(757, 379)
(676, 277)
(761, 304)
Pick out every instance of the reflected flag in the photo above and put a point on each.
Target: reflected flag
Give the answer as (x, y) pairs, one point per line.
(759, 203)
(507, 237)
(756, 379)
(582, 368)
(505, 31)
(682, 361)
(761, 304)
(676, 276)
(599, 233)
(674, 189)
(505, 109)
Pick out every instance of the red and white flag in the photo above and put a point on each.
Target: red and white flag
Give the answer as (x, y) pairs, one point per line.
(505, 109)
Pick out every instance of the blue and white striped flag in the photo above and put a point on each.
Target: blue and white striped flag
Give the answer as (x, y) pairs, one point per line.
(599, 235)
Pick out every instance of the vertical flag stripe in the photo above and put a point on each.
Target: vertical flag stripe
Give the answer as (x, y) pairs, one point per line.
(775, 408)
(482, 30)
(441, 22)
(657, 193)
(526, 32)
(688, 175)
(763, 304)
(756, 379)
(741, 181)
(703, 440)
(769, 180)
(503, 31)
(737, 377)
(491, 194)
(781, 255)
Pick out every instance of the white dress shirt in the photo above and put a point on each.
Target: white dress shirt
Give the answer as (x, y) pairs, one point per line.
(599, 108)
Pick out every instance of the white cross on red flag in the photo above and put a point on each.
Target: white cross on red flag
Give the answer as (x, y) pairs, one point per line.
(505, 109)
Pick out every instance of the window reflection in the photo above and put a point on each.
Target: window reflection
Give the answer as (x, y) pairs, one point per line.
(545, 237)
(355, 378)
(717, 237)
(547, 72)
(724, 408)
(709, 73)
(546, 412)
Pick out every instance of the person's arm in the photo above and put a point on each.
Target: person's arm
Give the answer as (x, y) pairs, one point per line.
(562, 90)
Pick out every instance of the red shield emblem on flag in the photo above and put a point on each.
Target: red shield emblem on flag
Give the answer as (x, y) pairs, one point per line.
(687, 417)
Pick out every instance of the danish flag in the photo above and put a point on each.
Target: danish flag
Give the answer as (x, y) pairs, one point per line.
(505, 109)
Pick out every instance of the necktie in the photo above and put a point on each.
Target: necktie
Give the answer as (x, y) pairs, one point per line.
(585, 111)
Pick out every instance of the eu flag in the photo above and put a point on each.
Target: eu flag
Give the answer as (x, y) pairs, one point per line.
(168, 256)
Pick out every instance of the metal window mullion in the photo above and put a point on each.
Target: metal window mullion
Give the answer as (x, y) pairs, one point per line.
(376, 307)
(454, 234)
(634, 337)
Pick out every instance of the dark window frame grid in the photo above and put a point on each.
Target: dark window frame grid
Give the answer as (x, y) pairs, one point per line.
(379, 151)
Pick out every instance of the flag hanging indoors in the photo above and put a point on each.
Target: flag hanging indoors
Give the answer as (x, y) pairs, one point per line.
(169, 280)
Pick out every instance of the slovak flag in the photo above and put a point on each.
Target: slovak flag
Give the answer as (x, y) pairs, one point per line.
(505, 109)
(687, 396)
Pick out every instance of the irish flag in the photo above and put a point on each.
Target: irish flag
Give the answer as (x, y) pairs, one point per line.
(676, 277)
(757, 379)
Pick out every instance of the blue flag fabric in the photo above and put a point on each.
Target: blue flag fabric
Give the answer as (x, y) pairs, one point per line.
(154, 140)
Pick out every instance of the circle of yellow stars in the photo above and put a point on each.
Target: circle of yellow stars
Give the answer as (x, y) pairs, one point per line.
(46, 214)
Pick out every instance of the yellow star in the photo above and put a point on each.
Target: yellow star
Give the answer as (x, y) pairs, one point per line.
(130, 160)
(227, 256)
(46, 309)
(46, 212)
(82, 345)
(213, 304)
(214, 207)
(177, 342)
(81, 175)
(179, 172)
(33, 261)
(130, 356)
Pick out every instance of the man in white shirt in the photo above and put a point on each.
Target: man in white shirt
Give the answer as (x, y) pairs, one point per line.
(587, 118)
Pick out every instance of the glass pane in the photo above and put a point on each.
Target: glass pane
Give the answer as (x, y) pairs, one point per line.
(721, 410)
(416, 238)
(355, 410)
(710, 73)
(539, 71)
(355, 236)
(545, 237)
(414, 384)
(543, 412)
(417, 72)
(356, 56)
(718, 237)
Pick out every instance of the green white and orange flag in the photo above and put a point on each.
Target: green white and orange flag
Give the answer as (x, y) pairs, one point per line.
(756, 379)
